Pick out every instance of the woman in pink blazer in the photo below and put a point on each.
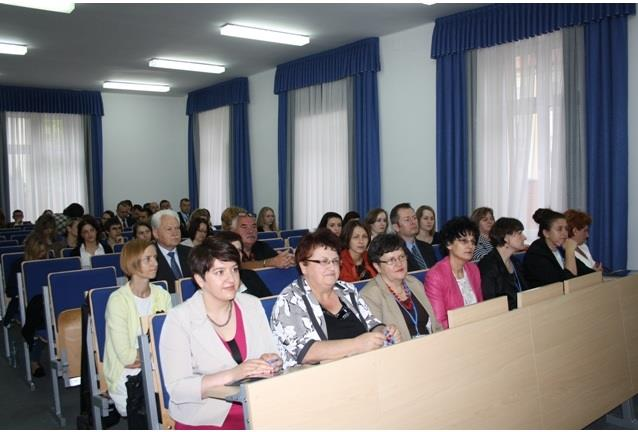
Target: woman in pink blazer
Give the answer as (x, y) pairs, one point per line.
(455, 281)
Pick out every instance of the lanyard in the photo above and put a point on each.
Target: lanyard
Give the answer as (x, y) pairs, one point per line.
(414, 318)
(518, 281)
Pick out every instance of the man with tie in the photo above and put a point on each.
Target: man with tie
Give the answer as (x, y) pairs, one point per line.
(122, 212)
(404, 222)
(184, 215)
(172, 257)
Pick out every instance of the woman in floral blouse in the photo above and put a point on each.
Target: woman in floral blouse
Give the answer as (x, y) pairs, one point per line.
(319, 318)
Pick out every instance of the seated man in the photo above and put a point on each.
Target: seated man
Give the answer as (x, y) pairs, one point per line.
(404, 222)
(258, 254)
(18, 218)
(113, 231)
(172, 257)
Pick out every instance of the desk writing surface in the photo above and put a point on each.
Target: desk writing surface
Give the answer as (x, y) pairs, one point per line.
(628, 292)
(536, 295)
(581, 282)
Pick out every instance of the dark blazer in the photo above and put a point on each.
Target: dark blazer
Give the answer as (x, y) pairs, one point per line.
(183, 224)
(541, 268)
(164, 271)
(254, 284)
(496, 281)
(427, 251)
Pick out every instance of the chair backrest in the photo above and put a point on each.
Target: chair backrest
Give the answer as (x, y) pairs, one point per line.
(185, 288)
(35, 274)
(161, 283)
(438, 252)
(19, 237)
(293, 241)
(117, 248)
(275, 242)
(537, 295)
(68, 289)
(295, 232)
(9, 269)
(477, 312)
(108, 260)
(580, 282)
(98, 299)
(419, 274)
(156, 322)
(8, 243)
(267, 235)
(66, 252)
(11, 249)
(277, 279)
(268, 303)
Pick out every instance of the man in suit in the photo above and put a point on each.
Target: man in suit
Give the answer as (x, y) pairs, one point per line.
(172, 257)
(122, 213)
(184, 215)
(404, 222)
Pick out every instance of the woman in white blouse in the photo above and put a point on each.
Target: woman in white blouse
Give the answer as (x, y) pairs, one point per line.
(88, 243)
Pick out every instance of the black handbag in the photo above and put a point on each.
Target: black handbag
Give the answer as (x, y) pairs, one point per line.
(135, 403)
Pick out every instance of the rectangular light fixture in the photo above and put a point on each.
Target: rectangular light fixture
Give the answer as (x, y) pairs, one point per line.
(136, 86)
(14, 49)
(264, 35)
(188, 66)
(48, 5)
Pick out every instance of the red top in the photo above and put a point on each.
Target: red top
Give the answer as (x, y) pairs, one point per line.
(349, 269)
(235, 418)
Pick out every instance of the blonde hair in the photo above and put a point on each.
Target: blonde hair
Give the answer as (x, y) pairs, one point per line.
(261, 219)
(131, 254)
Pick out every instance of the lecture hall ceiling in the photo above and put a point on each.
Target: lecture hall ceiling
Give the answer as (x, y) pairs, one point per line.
(99, 42)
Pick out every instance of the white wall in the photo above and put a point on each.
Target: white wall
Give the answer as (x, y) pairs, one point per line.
(145, 148)
(632, 241)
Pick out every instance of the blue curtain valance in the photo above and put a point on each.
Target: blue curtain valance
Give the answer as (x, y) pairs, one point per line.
(41, 100)
(503, 23)
(327, 66)
(230, 92)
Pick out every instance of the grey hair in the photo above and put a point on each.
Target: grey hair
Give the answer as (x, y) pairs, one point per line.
(157, 217)
(233, 222)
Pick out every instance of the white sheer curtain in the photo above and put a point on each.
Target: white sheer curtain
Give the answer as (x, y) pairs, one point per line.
(214, 154)
(520, 138)
(47, 162)
(321, 162)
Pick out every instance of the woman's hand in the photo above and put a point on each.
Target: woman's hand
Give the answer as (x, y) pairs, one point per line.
(253, 368)
(370, 341)
(394, 332)
(273, 360)
(570, 245)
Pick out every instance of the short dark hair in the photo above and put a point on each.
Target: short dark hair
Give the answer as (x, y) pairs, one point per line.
(193, 227)
(326, 217)
(545, 217)
(348, 231)
(17, 211)
(183, 199)
(502, 227)
(140, 224)
(147, 211)
(109, 212)
(111, 222)
(137, 207)
(382, 244)
(87, 220)
(394, 213)
(456, 228)
(201, 257)
(228, 236)
(322, 237)
(74, 210)
(350, 216)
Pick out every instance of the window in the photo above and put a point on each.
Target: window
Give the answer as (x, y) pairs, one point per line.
(214, 150)
(47, 162)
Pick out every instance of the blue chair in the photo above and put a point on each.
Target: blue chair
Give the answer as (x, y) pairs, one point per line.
(66, 252)
(11, 249)
(293, 233)
(19, 237)
(185, 288)
(520, 256)
(118, 248)
(277, 279)
(65, 294)
(268, 303)
(293, 241)
(419, 274)
(95, 341)
(8, 242)
(267, 235)
(9, 278)
(360, 284)
(161, 283)
(275, 243)
(438, 253)
(108, 260)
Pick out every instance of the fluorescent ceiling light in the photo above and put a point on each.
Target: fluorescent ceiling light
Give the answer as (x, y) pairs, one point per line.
(48, 5)
(264, 35)
(136, 86)
(6, 48)
(189, 66)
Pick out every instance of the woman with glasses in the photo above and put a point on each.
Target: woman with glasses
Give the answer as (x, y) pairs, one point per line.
(317, 317)
(394, 296)
(455, 281)
(500, 274)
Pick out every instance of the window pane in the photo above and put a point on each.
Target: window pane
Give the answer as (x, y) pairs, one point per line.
(214, 172)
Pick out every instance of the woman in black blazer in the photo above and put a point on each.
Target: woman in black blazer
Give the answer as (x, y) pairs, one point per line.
(551, 258)
(500, 274)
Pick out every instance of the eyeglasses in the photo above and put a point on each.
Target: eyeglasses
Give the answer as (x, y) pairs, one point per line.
(394, 261)
(325, 262)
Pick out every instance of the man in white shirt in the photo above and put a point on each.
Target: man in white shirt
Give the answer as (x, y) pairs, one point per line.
(172, 257)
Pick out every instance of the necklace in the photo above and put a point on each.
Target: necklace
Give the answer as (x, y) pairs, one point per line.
(230, 310)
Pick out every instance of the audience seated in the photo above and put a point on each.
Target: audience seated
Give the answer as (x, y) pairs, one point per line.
(578, 223)
(552, 257)
(266, 220)
(427, 225)
(122, 213)
(197, 232)
(318, 318)
(333, 222)
(144, 215)
(172, 257)
(377, 222)
(88, 244)
(354, 256)
(113, 230)
(18, 219)
(455, 281)
(394, 296)
(216, 337)
(351, 215)
(184, 214)
(142, 231)
(483, 217)
(202, 213)
(70, 240)
(500, 274)
(165, 205)
(137, 298)
(258, 254)
(405, 223)
(229, 215)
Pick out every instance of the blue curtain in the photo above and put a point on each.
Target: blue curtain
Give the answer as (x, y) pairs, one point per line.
(361, 61)
(451, 138)
(606, 71)
(88, 103)
(235, 94)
